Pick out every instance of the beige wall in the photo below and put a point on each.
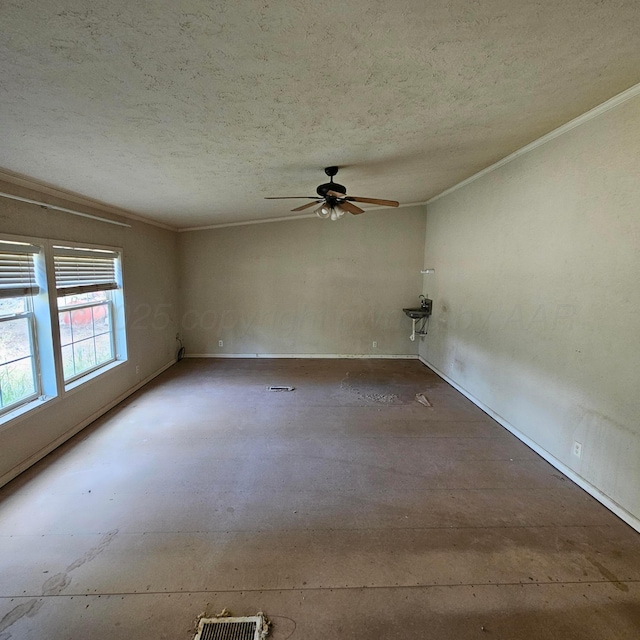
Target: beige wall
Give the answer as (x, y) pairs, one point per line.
(537, 302)
(305, 286)
(150, 285)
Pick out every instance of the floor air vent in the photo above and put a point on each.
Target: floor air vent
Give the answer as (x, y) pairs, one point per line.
(280, 388)
(250, 628)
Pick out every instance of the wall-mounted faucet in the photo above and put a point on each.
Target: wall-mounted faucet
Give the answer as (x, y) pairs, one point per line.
(426, 304)
(420, 315)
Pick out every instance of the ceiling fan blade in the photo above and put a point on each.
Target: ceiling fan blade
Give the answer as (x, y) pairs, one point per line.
(290, 197)
(384, 203)
(306, 206)
(351, 208)
(344, 196)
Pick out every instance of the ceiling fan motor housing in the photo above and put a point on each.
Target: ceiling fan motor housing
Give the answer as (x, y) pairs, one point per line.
(330, 186)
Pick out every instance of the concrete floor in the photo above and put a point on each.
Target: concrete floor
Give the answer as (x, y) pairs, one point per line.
(342, 510)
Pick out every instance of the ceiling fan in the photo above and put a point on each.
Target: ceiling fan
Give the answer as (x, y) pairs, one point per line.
(333, 199)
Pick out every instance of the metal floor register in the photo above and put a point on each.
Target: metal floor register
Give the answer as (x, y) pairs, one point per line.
(249, 628)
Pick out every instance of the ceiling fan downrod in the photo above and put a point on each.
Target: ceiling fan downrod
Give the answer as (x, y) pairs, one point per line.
(322, 189)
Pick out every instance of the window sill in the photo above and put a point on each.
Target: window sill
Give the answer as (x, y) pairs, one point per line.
(32, 406)
(90, 377)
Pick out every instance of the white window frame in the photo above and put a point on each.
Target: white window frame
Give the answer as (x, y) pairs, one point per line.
(86, 268)
(45, 330)
(77, 307)
(33, 355)
(19, 280)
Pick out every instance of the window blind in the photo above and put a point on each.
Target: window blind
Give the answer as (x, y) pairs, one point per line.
(17, 269)
(84, 270)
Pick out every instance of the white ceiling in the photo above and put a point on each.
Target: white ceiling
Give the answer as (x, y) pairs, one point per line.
(191, 112)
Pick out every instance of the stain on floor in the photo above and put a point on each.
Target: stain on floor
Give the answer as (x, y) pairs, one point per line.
(344, 510)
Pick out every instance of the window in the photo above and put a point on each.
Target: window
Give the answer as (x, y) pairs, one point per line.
(41, 359)
(19, 379)
(85, 282)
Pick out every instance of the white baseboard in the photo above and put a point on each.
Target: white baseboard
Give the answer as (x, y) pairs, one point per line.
(302, 355)
(31, 460)
(601, 497)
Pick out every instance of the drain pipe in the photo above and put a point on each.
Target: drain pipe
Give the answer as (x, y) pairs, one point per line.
(412, 337)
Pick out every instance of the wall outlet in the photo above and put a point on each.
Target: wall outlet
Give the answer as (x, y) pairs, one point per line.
(375, 344)
(577, 449)
(137, 369)
(220, 343)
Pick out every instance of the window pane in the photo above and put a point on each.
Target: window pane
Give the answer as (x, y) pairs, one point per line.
(16, 381)
(17, 377)
(11, 306)
(82, 298)
(101, 320)
(14, 339)
(67, 362)
(64, 319)
(84, 356)
(87, 338)
(104, 350)
(81, 323)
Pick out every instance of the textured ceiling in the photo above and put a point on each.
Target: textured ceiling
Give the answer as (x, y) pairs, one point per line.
(191, 112)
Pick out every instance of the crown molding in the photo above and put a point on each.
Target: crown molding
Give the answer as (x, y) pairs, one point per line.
(246, 222)
(301, 216)
(68, 196)
(33, 185)
(612, 103)
(54, 207)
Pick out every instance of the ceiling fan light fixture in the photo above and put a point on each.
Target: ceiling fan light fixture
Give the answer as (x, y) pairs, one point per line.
(330, 211)
(323, 211)
(339, 211)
